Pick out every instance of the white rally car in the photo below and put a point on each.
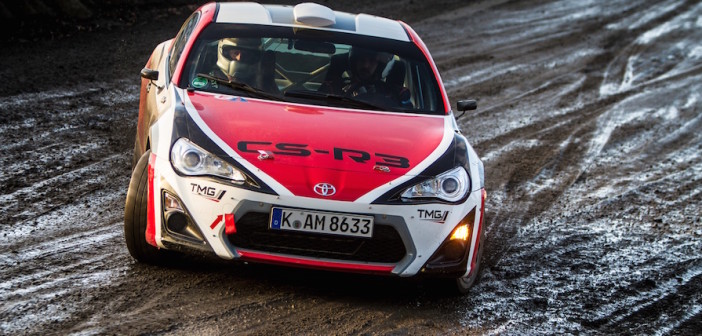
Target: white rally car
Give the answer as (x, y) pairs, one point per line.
(305, 137)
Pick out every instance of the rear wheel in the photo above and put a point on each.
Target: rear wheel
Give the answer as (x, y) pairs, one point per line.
(135, 215)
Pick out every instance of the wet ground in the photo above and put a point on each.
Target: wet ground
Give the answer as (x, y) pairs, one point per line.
(589, 125)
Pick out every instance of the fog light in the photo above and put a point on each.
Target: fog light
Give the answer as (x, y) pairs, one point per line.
(460, 233)
(452, 257)
(171, 203)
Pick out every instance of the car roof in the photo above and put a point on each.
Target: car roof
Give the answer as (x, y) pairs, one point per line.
(311, 16)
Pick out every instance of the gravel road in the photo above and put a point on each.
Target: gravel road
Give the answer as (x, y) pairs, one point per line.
(589, 125)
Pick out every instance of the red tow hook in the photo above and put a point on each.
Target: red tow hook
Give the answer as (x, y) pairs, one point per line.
(229, 226)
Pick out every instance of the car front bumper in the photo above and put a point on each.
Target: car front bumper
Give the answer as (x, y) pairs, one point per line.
(233, 223)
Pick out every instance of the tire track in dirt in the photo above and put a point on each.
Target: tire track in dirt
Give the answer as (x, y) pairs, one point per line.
(42, 142)
(588, 125)
(555, 249)
(60, 183)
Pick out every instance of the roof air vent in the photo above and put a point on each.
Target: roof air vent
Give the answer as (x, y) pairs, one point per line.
(313, 14)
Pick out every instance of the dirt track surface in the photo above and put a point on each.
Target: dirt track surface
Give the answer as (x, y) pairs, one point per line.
(589, 125)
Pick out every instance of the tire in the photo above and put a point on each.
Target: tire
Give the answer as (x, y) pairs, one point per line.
(135, 215)
(135, 155)
(457, 286)
(463, 284)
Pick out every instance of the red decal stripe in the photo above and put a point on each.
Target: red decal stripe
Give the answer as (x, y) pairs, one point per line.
(150, 210)
(480, 227)
(318, 264)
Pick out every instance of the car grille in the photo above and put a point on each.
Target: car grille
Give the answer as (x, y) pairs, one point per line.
(252, 232)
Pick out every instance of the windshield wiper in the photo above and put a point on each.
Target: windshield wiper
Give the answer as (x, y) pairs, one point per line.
(332, 97)
(255, 92)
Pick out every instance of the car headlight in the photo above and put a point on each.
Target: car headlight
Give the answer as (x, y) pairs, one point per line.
(450, 186)
(189, 159)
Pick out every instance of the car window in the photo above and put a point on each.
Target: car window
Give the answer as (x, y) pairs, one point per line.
(180, 40)
(314, 67)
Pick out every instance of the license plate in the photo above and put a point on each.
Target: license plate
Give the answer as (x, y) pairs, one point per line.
(321, 222)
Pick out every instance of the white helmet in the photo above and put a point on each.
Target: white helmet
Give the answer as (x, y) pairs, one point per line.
(239, 57)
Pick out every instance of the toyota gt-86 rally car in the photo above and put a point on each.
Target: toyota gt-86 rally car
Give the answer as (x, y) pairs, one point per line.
(305, 137)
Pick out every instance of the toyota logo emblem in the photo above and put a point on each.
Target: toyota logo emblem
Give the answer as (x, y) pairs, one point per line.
(324, 189)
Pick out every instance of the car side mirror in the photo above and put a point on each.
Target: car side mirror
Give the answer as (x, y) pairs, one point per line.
(466, 105)
(149, 74)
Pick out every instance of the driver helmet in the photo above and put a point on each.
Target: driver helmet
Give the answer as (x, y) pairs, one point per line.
(238, 57)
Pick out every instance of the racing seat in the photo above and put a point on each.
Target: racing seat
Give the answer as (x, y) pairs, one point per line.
(392, 72)
(394, 76)
(266, 78)
(338, 64)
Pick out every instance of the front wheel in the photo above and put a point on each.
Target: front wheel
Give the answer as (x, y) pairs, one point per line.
(135, 215)
(463, 284)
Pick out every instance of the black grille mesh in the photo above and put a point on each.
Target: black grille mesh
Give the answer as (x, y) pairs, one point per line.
(252, 233)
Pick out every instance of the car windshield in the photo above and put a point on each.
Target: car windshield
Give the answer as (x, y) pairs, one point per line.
(312, 67)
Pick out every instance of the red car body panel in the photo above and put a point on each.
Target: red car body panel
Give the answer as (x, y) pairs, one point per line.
(313, 144)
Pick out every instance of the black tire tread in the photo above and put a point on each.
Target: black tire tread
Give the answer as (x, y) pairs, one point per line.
(461, 288)
(135, 216)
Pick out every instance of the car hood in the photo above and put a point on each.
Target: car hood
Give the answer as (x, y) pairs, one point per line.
(300, 146)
